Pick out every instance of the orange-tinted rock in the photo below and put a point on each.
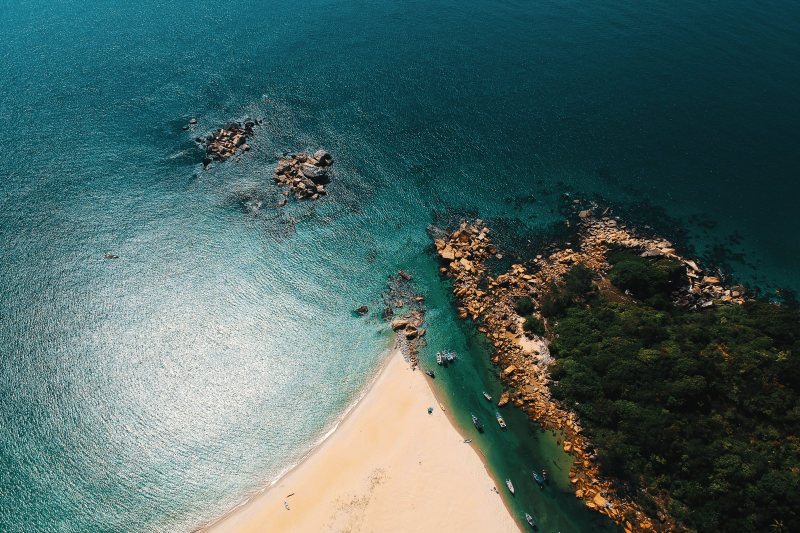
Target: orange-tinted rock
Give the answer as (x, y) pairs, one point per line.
(503, 399)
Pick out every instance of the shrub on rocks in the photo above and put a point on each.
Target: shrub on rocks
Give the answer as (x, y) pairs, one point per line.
(524, 306)
(534, 325)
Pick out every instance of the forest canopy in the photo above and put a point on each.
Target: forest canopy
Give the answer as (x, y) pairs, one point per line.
(702, 407)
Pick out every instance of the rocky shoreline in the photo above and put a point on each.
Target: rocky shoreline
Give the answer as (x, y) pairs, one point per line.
(524, 359)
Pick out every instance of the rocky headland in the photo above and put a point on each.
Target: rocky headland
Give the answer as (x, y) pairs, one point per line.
(304, 175)
(524, 358)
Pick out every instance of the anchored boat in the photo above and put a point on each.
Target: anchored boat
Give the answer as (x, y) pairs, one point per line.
(477, 422)
(538, 479)
(439, 358)
(430, 373)
(487, 396)
(500, 419)
(544, 476)
(510, 486)
(530, 520)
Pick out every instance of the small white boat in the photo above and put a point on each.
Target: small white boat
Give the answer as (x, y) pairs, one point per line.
(510, 486)
(439, 358)
(500, 420)
(530, 520)
(487, 396)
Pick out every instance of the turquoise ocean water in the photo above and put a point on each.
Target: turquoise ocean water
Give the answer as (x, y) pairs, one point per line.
(156, 391)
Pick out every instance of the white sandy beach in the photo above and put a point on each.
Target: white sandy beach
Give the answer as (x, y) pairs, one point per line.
(390, 466)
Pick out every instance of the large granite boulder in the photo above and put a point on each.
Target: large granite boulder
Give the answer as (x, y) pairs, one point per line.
(323, 157)
(315, 173)
(400, 324)
(503, 399)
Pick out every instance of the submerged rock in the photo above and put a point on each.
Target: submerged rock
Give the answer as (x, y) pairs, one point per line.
(363, 310)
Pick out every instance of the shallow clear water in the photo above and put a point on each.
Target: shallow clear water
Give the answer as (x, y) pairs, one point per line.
(153, 392)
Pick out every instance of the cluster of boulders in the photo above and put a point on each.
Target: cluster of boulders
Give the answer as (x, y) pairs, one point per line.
(465, 252)
(404, 308)
(225, 142)
(524, 361)
(304, 175)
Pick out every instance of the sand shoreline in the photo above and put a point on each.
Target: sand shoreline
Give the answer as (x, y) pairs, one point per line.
(211, 527)
(386, 466)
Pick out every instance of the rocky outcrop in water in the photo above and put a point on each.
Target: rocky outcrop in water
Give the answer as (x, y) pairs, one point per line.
(226, 142)
(304, 175)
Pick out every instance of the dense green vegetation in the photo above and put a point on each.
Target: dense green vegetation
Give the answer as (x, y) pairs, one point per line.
(577, 283)
(525, 306)
(648, 279)
(533, 325)
(703, 407)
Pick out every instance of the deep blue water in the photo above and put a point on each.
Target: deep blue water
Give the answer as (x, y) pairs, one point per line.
(154, 392)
